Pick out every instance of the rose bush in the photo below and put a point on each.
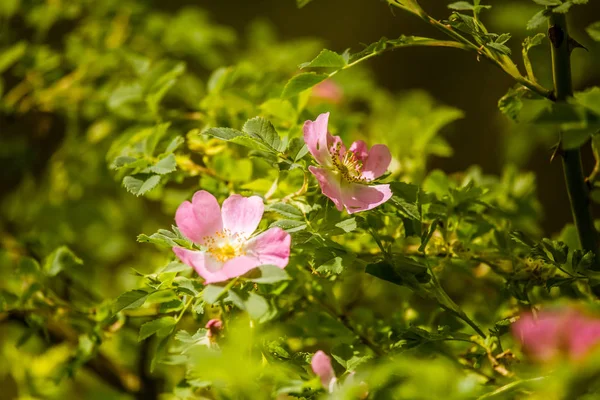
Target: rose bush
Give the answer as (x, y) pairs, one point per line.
(297, 267)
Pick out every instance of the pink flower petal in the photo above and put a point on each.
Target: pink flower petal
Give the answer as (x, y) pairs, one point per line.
(360, 150)
(336, 146)
(541, 338)
(271, 247)
(316, 139)
(358, 197)
(205, 265)
(238, 266)
(200, 218)
(241, 215)
(330, 185)
(214, 327)
(583, 334)
(377, 162)
(321, 366)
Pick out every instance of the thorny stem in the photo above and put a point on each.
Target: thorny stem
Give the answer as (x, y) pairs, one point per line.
(503, 63)
(343, 319)
(346, 322)
(573, 169)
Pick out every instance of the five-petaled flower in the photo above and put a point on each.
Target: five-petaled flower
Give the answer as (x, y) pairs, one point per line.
(556, 333)
(227, 247)
(344, 174)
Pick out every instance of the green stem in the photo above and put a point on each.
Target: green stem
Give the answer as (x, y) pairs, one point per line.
(573, 169)
(448, 304)
(504, 63)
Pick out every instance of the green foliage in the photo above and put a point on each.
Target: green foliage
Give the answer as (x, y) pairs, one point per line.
(412, 299)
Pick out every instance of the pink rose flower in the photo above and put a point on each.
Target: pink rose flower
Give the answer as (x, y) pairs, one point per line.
(227, 247)
(321, 366)
(344, 175)
(328, 90)
(556, 333)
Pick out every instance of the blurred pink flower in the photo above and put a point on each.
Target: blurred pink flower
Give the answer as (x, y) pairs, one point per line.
(224, 236)
(321, 366)
(214, 326)
(328, 90)
(564, 332)
(344, 175)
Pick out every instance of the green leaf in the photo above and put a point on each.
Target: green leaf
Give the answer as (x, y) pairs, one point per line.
(594, 31)
(271, 274)
(123, 98)
(161, 327)
(286, 210)
(11, 55)
(238, 137)
(590, 99)
(333, 266)
(263, 131)
(131, 299)
(302, 82)
(539, 19)
(28, 266)
(297, 149)
(581, 261)
(175, 143)
(156, 133)
(164, 238)
(61, 259)
(159, 352)
(501, 48)
(122, 161)
(161, 85)
(426, 236)
(563, 8)
(327, 59)
(211, 293)
(138, 187)
(405, 199)
(404, 271)
(165, 165)
(511, 103)
(289, 225)
(461, 6)
(529, 43)
(256, 306)
(548, 2)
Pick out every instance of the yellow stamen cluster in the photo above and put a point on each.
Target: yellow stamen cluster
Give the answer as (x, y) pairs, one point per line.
(223, 246)
(348, 166)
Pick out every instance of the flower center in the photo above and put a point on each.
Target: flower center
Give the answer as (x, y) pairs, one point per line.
(348, 166)
(224, 246)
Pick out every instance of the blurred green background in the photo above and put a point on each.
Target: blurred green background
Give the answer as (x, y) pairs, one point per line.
(484, 137)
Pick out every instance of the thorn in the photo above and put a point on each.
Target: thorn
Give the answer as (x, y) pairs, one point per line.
(556, 150)
(574, 44)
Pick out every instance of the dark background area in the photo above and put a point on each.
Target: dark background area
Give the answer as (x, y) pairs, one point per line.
(452, 76)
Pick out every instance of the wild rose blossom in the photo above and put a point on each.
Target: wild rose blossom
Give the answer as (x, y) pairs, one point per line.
(224, 235)
(344, 175)
(321, 366)
(556, 333)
